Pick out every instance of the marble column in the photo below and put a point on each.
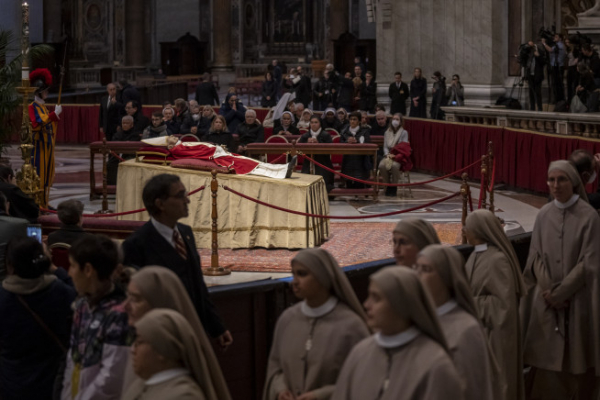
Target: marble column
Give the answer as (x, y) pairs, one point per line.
(135, 38)
(222, 35)
(339, 11)
(465, 37)
(52, 21)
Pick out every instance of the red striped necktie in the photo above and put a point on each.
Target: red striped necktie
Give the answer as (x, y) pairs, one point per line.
(179, 245)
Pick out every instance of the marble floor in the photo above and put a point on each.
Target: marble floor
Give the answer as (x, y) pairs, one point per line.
(517, 209)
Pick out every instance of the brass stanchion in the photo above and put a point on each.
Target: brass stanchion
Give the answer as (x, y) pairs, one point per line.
(491, 162)
(214, 269)
(27, 178)
(464, 192)
(484, 174)
(105, 152)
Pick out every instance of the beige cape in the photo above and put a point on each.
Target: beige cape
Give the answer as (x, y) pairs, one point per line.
(564, 257)
(493, 287)
(161, 288)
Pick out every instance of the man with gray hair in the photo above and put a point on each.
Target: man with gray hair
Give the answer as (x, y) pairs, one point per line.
(110, 111)
(381, 124)
(250, 131)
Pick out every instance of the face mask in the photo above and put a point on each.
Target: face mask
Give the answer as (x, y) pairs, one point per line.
(395, 123)
(195, 117)
(592, 178)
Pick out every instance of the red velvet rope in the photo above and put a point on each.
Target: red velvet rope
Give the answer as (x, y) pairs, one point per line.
(491, 185)
(118, 157)
(139, 210)
(278, 159)
(371, 183)
(262, 203)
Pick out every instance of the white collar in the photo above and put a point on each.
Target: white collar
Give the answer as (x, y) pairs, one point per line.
(39, 100)
(354, 131)
(315, 134)
(166, 375)
(446, 307)
(400, 339)
(480, 248)
(568, 204)
(320, 311)
(164, 231)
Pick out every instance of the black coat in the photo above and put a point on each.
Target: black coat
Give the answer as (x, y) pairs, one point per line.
(357, 166)
(324, 87)
(110, 117)
(172, 126)
(377, 130)
(322, 137)
(345, 93)
(66, 234)
(292, 129)
(254, 133)
(303, 90)
(233, 117)
(336, 124)
(127, 136)
(129, 93)
(147, 247)
(140, 122)
(399, 97)
(30, 358)
(21, 205)
(418, 88)
(220, 138)
(269, 88)
(206, 93)
(188, 123)
(368, 96)
(204, 125)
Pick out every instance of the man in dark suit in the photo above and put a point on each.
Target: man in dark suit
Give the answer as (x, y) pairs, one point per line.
(165, 242)
(128, 93)
(398, 92)
(22, 206)
(206, 92)
(110, 112)
(303, 88)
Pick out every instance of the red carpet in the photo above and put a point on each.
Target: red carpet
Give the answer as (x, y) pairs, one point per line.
(350, 243)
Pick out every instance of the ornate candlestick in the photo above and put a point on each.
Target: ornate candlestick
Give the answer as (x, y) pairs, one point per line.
(27, 178)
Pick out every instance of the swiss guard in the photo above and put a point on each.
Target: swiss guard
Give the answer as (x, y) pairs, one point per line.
(43, 125)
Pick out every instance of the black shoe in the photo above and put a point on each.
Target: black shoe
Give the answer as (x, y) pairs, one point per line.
(391, 191)
(291, 166)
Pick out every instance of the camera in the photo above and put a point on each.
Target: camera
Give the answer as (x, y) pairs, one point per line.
(548, 35)
(523, 54)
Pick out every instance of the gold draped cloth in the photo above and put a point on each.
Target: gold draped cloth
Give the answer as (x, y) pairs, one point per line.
(241, 223)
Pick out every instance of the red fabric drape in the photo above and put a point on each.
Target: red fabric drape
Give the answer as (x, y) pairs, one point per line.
(522, 157)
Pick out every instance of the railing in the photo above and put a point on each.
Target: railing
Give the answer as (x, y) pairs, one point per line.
(586, 125)
(250, 70)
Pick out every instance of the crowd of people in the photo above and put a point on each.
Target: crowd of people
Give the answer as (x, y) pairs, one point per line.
(357, 90)
(133, 320)
(563, 63)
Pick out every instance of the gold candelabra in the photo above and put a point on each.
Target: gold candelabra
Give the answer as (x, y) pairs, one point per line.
(27, 178)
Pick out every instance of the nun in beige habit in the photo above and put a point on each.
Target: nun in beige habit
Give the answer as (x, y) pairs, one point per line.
(410, 236)
(497, 285)
(408, 358)
(441, 269)
(157, 287)
(313, 338)
(561, 312)
(168, 358)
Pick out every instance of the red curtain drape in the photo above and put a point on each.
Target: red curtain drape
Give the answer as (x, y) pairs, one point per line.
(522, 157)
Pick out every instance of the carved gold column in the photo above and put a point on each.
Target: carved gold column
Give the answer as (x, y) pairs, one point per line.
(27, 178)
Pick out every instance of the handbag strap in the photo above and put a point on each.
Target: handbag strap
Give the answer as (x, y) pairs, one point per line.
(42, 324)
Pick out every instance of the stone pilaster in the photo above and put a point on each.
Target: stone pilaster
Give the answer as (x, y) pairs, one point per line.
(222, 35)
